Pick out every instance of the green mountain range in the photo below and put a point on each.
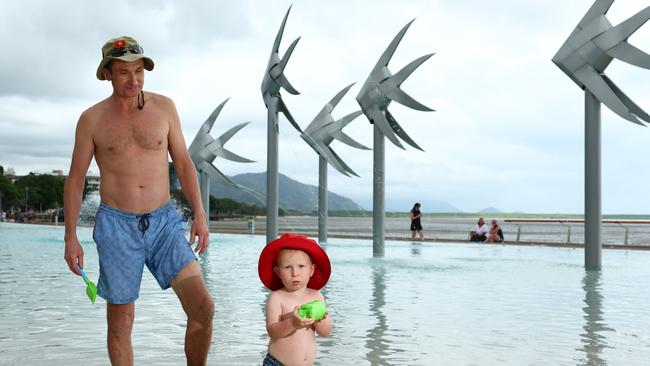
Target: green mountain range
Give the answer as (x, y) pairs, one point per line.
(294, 196)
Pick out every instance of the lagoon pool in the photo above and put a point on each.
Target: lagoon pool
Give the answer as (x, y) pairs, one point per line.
(422, 304)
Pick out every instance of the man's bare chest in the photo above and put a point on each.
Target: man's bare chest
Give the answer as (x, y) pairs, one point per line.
(124, 136)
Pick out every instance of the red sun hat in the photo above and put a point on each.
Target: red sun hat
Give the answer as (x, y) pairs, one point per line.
(269, 257)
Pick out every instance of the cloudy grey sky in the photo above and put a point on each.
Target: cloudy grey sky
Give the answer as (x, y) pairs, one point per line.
(507, 132)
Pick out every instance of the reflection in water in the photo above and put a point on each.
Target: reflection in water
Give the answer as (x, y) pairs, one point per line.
(375, 343)
(377, 306)
(416, 248)
(204, 263)
(593, 340)
(326, 344)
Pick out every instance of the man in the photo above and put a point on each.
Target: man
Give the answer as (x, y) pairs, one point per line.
(480, 231)
(129, 134)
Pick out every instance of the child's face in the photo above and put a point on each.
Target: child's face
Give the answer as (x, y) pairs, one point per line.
(294, 269)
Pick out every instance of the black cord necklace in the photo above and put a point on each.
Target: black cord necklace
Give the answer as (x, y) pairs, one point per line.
(141, 95)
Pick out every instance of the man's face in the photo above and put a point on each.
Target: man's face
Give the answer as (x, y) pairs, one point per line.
(481, 222)
(127, 77)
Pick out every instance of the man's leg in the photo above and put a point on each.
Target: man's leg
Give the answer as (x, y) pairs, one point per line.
(120, 323)
(197, 303)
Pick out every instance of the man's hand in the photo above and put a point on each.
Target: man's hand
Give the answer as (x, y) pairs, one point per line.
(74, 254)
(200, 228)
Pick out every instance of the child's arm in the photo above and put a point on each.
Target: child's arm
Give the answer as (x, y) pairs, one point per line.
(323, 327)
(280, 325)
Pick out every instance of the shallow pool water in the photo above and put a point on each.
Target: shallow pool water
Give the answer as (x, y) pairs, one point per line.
(422, 304)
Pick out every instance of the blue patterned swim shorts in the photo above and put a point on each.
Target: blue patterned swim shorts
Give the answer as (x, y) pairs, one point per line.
(127, 241)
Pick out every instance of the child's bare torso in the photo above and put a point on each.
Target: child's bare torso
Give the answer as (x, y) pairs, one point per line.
(300, 347)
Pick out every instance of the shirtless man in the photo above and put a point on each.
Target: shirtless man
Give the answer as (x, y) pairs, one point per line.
(295, 268)
(129, 134)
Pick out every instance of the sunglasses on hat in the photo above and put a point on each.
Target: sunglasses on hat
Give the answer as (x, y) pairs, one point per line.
(121, 51)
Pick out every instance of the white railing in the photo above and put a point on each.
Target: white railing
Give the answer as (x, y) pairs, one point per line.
(633, 233)
(570, 223)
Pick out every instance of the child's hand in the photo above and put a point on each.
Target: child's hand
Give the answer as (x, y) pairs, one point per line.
(299, 322)
(323, 327)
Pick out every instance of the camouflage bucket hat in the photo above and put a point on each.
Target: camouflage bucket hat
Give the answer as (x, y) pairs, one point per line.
(125, 49)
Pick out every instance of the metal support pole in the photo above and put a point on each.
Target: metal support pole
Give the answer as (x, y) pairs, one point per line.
(378, 194)
(322, 200)
(568, 234)
(272, 189)
(627, 229)
(593, 218)
(205, 195)
(518, 232)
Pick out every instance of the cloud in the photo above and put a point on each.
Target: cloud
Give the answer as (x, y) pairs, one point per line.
(508, 130)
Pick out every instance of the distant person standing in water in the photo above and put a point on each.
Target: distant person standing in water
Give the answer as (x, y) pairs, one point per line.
(416, 224)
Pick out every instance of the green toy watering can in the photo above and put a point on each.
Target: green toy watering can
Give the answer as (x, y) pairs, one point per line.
(91, 289)
(314, 309)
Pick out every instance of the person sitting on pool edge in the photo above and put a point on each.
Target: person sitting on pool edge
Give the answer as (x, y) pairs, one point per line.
(294, 268)
(480, 231)
(495, 235)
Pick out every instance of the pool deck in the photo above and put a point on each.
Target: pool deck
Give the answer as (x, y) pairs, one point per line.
(240, 228)
(216, 227)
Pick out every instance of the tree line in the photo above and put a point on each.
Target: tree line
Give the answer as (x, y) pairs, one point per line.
(42, 192)
(39, 192)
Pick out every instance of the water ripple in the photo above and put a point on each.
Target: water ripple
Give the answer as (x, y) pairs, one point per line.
(420, 305)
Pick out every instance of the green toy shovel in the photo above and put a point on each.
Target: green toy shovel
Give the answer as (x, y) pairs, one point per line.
(91, 289)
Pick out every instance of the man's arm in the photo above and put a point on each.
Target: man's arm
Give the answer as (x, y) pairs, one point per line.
(82, 154)
(187, 176)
